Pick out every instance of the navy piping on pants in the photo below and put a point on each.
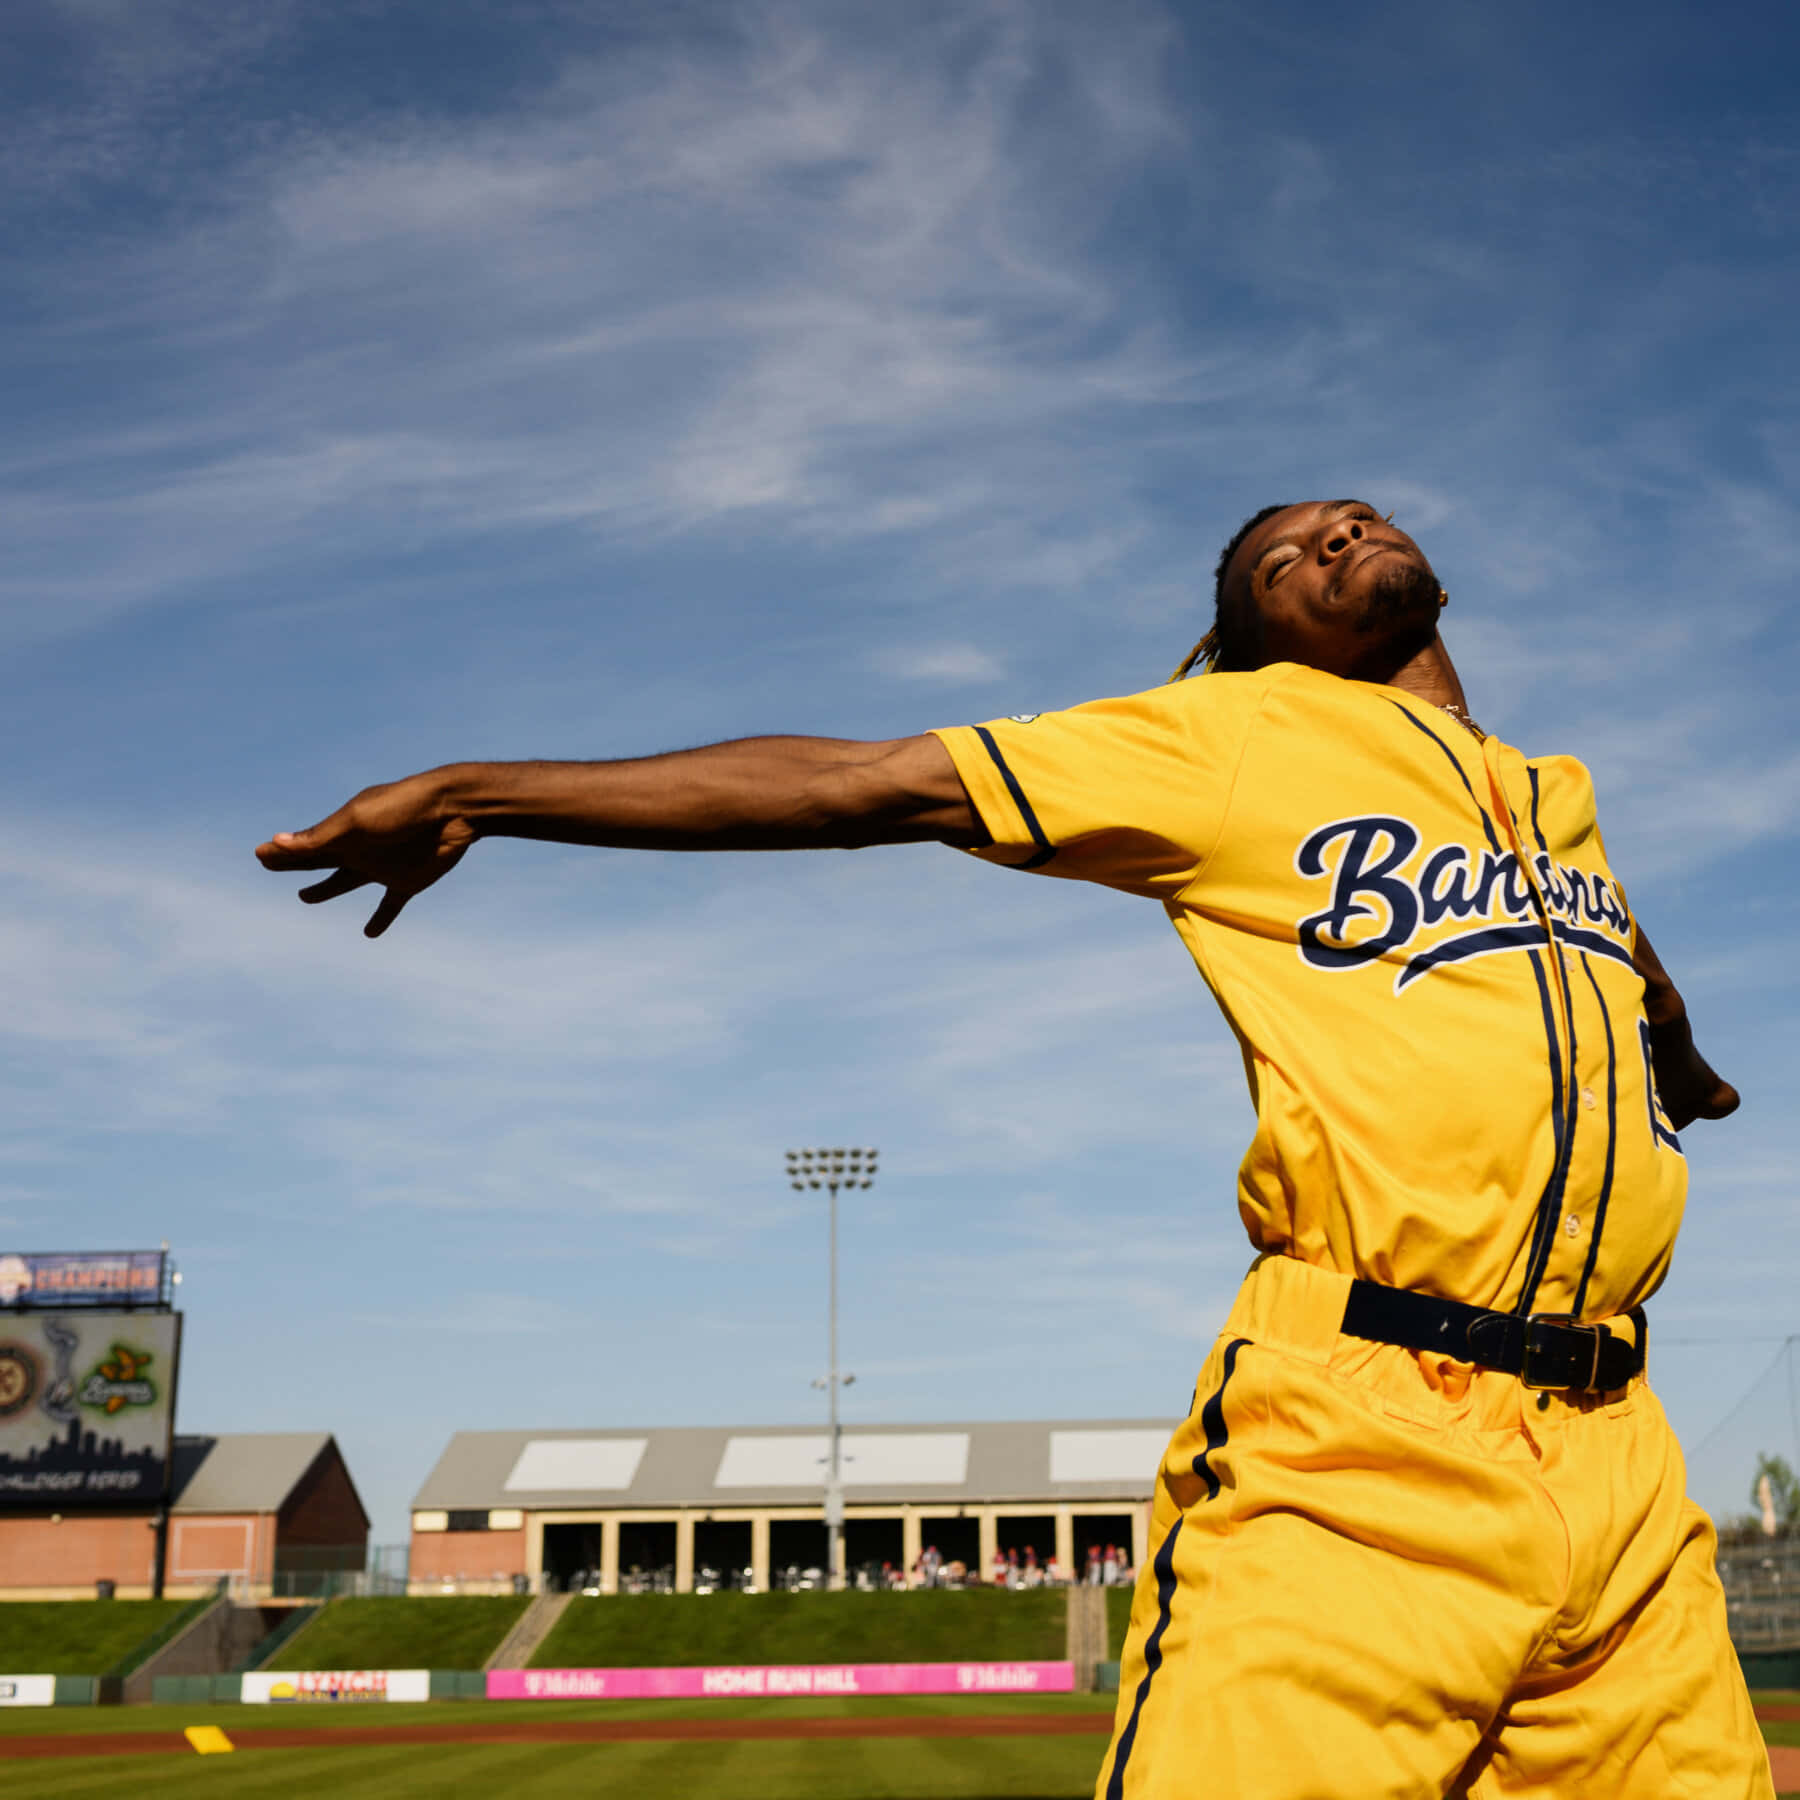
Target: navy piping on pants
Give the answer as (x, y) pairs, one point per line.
(1165, 1599)
(1212, 1416)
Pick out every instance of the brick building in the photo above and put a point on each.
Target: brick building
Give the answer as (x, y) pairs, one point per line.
(548, 1507)
(269, 1511)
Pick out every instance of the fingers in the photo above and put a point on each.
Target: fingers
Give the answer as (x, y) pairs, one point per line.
(1724, 1101)
(347, 881)
(296, 850)
(386, 913)
(342, 881)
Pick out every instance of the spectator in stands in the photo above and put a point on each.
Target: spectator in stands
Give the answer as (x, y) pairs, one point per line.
(1091, 1574)
(1109, 1566)
(1030, 1575)
(998, 1576)
(931, 1564)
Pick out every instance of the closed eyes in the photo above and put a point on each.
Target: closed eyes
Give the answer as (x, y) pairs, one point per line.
(1279, 558)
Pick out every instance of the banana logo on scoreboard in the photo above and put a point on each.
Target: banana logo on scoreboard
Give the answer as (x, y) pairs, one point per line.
(120, 1381)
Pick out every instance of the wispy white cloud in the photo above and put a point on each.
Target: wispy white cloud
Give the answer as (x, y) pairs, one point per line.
(471, 328)
(947, 664)
(134, 71)
(679, 378)
(541, 1071)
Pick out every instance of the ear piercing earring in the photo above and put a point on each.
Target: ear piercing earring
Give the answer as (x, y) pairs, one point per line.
(1443, 597)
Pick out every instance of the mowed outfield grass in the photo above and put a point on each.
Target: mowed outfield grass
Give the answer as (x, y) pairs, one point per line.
(389, 1632)
(873, 1769)
(77, 1637)
(1048, 1768)
(1778, 1731)
(900, 1768)
(666, 1631)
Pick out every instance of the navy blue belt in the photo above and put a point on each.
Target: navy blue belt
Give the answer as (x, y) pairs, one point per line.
(1544, 1350)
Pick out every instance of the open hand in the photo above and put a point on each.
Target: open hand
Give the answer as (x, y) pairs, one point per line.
(403, 835)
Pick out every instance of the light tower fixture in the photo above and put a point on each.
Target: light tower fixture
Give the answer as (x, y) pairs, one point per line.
(831, 1170)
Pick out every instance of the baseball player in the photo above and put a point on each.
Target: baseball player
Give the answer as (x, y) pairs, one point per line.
(1425, 1530)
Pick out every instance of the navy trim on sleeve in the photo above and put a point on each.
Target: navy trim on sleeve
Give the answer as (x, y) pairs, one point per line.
(1045, 849)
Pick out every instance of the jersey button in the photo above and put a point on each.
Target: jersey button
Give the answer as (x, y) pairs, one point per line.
(1587, 1099)
(1572, 1225)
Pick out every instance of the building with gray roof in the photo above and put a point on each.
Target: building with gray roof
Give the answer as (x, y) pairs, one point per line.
(549, 1507)
(274, 1513)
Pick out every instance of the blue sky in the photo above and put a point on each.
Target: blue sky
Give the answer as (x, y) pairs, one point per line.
(395, 383)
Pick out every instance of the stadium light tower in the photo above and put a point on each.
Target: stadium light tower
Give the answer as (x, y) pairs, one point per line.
(833, 1169)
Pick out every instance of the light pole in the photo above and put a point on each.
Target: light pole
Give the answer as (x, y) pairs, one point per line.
(833, 1169)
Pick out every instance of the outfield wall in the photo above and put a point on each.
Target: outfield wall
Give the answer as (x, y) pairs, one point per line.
(276, 1687)
(784, 1680)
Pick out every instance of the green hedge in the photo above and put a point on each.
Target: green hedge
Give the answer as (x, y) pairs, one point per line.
(677, 1630)
(78, 1637)
(450, 1632)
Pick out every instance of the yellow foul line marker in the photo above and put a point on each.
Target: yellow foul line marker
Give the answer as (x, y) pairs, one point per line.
(209, 1740)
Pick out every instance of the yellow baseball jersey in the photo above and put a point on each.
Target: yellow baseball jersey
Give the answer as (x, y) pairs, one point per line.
(1425, 957)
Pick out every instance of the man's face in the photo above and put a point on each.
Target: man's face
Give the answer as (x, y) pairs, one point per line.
(1332, 585)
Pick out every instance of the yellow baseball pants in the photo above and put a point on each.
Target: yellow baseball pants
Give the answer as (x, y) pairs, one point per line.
(1381, 1575)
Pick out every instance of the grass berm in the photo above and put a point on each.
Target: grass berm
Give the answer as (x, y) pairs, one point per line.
(77, 1637)
(391, 1632)
(701, 1630)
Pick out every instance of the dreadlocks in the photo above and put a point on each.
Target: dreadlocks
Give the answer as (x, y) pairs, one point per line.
(1226, 645)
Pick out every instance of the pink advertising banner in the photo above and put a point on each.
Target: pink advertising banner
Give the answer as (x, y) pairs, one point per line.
(789, 1678)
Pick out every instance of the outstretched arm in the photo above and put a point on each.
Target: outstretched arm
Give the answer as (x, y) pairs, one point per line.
(777, 793)
(1686, 1083)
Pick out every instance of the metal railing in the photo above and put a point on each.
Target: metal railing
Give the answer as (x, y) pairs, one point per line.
(1761, 1579)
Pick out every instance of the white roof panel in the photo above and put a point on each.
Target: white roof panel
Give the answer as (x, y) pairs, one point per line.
(1129, 1455)
(569, 1465)
(957, 1463)
(869, 1459)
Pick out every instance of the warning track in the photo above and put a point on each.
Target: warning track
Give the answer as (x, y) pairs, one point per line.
(575, 1731)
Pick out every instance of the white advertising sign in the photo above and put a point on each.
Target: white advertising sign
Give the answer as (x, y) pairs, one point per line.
(27, 1690)
(276, 1687)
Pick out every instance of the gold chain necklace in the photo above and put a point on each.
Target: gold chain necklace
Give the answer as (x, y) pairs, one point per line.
(1462, 718)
